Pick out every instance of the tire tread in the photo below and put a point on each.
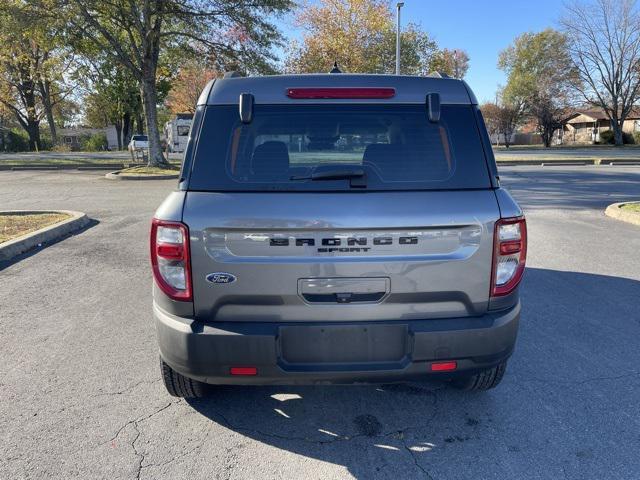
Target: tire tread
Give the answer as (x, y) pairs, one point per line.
(482, 380)
(180, 386)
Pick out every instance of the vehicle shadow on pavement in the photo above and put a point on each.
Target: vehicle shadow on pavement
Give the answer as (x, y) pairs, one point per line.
(13, 260)
(581, 322)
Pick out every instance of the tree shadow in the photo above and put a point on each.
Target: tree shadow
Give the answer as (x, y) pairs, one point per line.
(585, 323)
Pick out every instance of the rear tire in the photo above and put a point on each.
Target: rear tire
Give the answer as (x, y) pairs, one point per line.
(482, 380)
(180, 386)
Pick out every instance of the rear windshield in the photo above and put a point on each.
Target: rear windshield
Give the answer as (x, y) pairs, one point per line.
(324, 147)
(141, 138)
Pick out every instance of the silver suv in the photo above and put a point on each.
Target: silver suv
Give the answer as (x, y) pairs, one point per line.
(336, 229)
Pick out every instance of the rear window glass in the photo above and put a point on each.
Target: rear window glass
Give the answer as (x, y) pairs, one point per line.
(140, 138)
(394, 147)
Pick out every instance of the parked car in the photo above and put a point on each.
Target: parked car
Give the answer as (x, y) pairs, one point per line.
(336, 229)
(138, 142)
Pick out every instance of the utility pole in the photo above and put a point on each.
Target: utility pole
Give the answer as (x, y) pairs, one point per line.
(399, 5)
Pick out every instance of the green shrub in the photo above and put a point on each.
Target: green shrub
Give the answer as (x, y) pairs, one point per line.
(15, 141)
(94, 143)
(607, 137)
(45, 142)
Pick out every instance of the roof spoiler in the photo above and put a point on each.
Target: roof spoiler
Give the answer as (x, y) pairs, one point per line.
(437, 74)
(232, 74)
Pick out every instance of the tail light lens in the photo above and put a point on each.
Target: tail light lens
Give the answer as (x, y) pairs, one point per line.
(170, 259)
(509, 255)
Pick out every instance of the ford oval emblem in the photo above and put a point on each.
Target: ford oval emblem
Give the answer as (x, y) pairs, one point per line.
(221, 277)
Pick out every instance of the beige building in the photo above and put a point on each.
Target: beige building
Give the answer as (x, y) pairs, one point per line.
(72, 136)
(585, 126)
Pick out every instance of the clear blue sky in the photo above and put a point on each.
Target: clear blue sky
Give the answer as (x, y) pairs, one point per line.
(482, 28)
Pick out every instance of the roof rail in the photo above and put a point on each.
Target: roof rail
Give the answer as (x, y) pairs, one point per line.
(232, 74)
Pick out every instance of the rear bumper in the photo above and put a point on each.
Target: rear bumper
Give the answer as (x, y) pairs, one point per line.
(207, 352)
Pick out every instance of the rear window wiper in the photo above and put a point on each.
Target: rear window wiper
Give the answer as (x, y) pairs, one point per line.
(357, 176)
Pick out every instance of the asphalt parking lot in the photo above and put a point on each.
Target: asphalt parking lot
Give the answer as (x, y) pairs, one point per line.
(81, 395)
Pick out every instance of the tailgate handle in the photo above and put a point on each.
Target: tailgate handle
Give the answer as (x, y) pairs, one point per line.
(343, 297)
(343, 290)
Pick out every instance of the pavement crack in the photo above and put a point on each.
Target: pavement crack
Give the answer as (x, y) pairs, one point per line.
(135, 423)
(127, 389)
(415, 461)
(180, 455)
(140, 456)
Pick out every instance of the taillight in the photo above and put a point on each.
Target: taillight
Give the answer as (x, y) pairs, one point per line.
(341, 92)
(170, 258)
(509, 255)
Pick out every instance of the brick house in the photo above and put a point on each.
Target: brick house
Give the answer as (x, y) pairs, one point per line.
(585, 126)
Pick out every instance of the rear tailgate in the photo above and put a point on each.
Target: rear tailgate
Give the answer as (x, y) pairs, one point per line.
(306, 257)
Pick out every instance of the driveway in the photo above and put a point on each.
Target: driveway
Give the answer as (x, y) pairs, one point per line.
(81, 395)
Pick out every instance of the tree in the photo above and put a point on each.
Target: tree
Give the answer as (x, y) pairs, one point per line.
(604, 43)
(491, 113)
(502, 118)
(32, 68)
(113, 98)
(21, 60)
(540, 77)
(360, 36)
(187, 86)
(134, 34)
(454, 63)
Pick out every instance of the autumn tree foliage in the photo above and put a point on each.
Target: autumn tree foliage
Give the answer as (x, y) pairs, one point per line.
(33, 63)
(541, 76)
(187, 86)
(502, 118)
(360, 35)
(137, 34)
(454, 63)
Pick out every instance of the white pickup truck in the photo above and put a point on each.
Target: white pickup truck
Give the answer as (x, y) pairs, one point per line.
(138, 142)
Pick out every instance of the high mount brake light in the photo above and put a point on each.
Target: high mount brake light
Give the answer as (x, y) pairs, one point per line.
(346, 93)
(509, 255)
(170, 259)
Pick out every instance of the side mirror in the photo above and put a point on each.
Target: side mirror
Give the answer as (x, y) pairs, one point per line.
(433, 107)
(246, 107)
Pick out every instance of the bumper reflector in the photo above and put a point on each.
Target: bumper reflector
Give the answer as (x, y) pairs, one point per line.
(243, 371)
(444, 366)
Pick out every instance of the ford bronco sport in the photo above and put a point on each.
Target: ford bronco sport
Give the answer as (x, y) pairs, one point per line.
(336, 229)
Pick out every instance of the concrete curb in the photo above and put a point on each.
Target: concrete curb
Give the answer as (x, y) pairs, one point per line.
(117, 176)
(73, 166)
(48, 234)
(615, 211)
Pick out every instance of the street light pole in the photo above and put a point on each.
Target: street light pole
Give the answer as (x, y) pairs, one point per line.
(399, 5)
